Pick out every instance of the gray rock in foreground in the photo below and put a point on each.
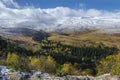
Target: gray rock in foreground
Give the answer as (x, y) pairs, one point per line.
(5, 74)
(13, 76)
(44, 76)
(69, 77)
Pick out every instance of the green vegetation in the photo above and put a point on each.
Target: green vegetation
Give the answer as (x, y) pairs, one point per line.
(109, 65)
(83, 57)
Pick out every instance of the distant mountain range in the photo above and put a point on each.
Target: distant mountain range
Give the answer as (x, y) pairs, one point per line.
(67, 24)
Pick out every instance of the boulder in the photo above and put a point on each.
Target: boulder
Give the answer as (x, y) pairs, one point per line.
(25, 75)
(108, 76)
(4, 70)
(14, 76)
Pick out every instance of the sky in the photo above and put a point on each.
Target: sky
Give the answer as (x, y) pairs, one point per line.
(58, 14)
(74, 4)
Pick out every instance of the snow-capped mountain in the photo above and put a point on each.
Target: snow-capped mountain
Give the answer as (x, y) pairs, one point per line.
(74, 24)
(67, 23)
(59, 18)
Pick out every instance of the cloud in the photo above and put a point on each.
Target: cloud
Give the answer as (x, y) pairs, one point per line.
(10, 3)
(56, 18)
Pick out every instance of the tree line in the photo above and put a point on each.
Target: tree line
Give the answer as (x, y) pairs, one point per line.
(55, 58)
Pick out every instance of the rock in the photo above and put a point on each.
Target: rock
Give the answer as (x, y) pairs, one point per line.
(25, 75)
(4, 70)
(14, 76)
(39, 76)
(79, 78)
(32, 72)
(108, 77)
(5, 74)
(45, 76)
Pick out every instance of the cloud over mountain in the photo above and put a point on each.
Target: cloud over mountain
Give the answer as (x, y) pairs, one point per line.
(55, 18)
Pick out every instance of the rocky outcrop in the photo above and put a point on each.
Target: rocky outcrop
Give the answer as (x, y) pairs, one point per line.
(108, 77)
(45, 76)
(5, 74)
(13, 76)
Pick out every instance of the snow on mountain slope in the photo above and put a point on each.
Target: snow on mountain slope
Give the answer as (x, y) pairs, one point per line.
(59, 18)
(68, 24)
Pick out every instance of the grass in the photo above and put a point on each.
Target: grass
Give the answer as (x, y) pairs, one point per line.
(85, 38)
(26, 42)
(79, 39)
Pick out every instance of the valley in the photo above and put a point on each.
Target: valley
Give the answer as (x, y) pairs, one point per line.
(59, 40)
(82, 53)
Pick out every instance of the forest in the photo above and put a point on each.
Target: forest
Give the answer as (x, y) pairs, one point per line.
(59, 59)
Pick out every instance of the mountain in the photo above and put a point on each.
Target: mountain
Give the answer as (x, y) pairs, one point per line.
(68, 24)
(8, 32)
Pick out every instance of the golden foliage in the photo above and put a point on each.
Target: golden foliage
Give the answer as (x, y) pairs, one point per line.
(110, 64)
(35, 63)
(13, 60)
(50, 65)
(68, 68)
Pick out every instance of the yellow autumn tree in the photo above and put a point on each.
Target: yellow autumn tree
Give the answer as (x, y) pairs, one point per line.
(50, 65)
(13, 61)
(35, 63)
(68, 68)
(111, 64)
(116, 66)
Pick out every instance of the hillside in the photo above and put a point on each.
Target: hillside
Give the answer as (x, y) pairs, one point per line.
(94, 37)
(59, 40)
(67, 53)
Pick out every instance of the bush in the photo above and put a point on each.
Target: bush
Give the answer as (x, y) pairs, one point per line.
(68, 68)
